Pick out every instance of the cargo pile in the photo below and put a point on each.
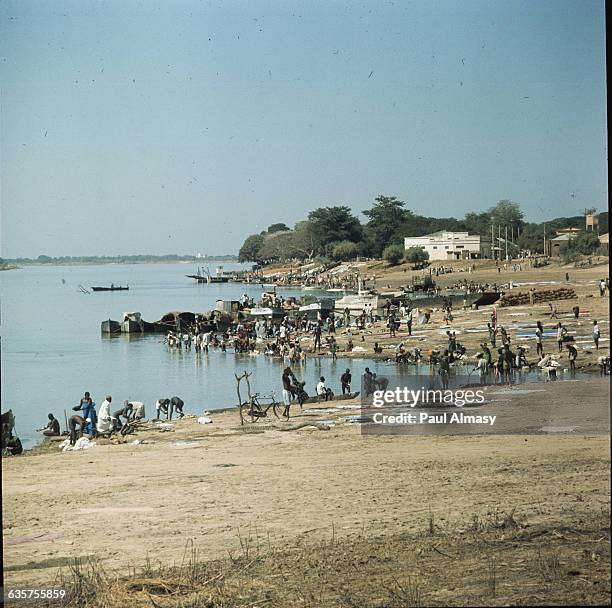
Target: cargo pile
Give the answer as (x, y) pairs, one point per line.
(549, 295)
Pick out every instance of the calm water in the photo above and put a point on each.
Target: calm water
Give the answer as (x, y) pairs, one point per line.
(53, 351)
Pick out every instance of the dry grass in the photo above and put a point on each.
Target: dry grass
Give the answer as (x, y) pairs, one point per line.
(493, 560)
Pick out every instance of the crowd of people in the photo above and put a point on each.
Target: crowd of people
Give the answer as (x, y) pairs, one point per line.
(89, 421)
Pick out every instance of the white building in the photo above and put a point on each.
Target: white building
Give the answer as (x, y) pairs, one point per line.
(445, 245)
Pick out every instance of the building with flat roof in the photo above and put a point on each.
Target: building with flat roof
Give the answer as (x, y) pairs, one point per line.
(444, 245)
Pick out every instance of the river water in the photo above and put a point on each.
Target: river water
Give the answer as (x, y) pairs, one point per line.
(53, 350)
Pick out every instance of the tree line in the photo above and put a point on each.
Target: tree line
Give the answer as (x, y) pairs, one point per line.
(336, 232)
(114, 259)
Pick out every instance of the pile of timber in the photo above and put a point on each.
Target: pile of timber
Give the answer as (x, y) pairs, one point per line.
(548, 295)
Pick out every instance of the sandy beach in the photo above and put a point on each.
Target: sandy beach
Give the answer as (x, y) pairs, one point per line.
(220, 483)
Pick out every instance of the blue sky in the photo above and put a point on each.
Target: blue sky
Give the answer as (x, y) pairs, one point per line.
(184, 126)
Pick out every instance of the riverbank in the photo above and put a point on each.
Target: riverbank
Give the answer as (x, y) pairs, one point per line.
(259, 489)
(470, 325)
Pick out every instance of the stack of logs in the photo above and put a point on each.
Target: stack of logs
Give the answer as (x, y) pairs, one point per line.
(549, 295)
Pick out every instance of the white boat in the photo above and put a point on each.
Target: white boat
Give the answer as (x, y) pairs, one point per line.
(356, 302)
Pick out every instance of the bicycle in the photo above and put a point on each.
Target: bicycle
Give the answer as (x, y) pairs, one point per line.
(256, 408)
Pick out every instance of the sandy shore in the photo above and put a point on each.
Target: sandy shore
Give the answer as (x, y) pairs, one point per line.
(213, 483)
(470, 325)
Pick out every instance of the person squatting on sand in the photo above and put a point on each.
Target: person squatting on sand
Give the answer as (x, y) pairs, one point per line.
(52, 429)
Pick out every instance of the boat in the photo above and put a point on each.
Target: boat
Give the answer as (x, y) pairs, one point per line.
(452, 298)
(111, 288)
(111, 327)
(132, 323)
(322, 402)
(356, 302)
(266, 312)
(321, 306)
(204, 276)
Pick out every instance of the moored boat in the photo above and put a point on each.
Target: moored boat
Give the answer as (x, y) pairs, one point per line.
(111, 327)
(132, 323)
(111, 288)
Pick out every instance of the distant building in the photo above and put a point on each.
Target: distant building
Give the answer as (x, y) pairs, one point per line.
(445, 245)
(554, 245)
(604, 241)
(592, 222)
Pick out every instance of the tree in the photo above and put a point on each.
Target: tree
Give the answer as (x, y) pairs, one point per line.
(416, 255)
(584, 244)
(277, 246)
(344, 251)
(249, 252)
(506, 213)
(280, 227)
(303, 240)
(333, 224)
(393, 254)
(44, 259)
(386, 225)
(532, 237)
(478, 223)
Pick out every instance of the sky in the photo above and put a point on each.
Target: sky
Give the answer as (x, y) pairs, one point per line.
(131, 127)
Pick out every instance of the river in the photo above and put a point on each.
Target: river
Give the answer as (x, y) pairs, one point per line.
(53, 350)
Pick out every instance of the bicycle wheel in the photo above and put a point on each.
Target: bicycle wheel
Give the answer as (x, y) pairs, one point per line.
(245, 412)
(279, 410)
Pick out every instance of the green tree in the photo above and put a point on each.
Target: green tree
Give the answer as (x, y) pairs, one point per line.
(332, 225)
(386, 225)
(249, 252)
(276, 246)
(303, 240)
(416, 255)
(345, 250)
(279, 227)
(478, 223)
(44, 259)
(532, 237)
(586, 243)
(393, 254)
(506, 213)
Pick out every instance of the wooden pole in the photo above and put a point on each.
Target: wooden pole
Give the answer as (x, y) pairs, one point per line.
(66, 420)
(506, 240)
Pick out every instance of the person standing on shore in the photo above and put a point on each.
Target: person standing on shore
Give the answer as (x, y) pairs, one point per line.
(481, 367)
(561, 333)
(539, 334)
(317, 335)
(88, 408)
(409, 319)
(104, 419)
(492, 334)
(596, 334)
(286, 378)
